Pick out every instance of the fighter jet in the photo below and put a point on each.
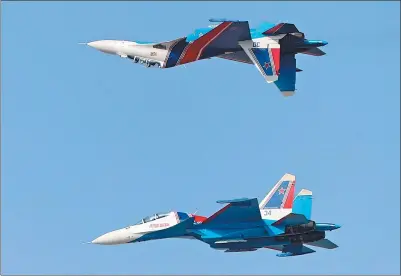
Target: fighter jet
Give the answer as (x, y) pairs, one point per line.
(279, 222)
(270, 47)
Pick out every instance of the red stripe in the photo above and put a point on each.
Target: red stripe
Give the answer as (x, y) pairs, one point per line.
(290, 198)
(274, 29)
(199, 218)
(195, 49)
(217, 213)
(276, 58)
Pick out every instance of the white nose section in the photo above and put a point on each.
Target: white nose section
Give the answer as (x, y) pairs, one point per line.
(107, 46)
(96, 44)
(114, 237)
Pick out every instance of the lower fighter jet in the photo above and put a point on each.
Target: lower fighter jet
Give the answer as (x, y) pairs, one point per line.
(270, 47)
(279, 222)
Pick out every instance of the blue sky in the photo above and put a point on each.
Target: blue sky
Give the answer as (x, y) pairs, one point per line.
(92, 143)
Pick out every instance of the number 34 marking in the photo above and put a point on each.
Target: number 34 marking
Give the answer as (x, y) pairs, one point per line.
(267, 212)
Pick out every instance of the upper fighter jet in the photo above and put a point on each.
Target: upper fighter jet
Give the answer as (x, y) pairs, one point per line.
(271, 48)
(279, 222)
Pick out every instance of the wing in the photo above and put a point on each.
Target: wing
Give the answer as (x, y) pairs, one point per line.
(291, 250)
(275, 247)
(240, 250)
(237, 211)
(239, 56)
(222, 38)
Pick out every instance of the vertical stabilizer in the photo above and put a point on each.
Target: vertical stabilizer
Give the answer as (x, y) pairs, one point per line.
(265, 54)
(303, 203)
(282, 194)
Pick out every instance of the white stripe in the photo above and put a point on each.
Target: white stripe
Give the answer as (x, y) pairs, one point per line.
(286, 194)
(272, 61)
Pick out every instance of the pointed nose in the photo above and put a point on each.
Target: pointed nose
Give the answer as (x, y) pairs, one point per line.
(114, 237)
(106, 46)
(97, 44)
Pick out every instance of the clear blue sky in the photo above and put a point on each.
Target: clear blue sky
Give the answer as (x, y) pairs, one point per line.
(92, 143)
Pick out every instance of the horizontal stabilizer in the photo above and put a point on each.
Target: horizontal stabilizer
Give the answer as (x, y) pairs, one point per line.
(291, 219)
(314, 52)
(240, 250)
(282, 28)
(325, 243)
(295, 250)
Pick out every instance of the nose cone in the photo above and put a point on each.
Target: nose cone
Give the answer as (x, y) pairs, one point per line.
(106, 46)
(111, 238)
(96, 44)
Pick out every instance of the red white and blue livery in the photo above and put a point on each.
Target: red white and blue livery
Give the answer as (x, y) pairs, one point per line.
(270, 47)
(279, 222)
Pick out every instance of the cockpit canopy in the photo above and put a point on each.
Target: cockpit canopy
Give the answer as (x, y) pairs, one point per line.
(152, 218)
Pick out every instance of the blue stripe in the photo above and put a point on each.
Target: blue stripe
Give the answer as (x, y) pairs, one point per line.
(175, 53)
(287, 77)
